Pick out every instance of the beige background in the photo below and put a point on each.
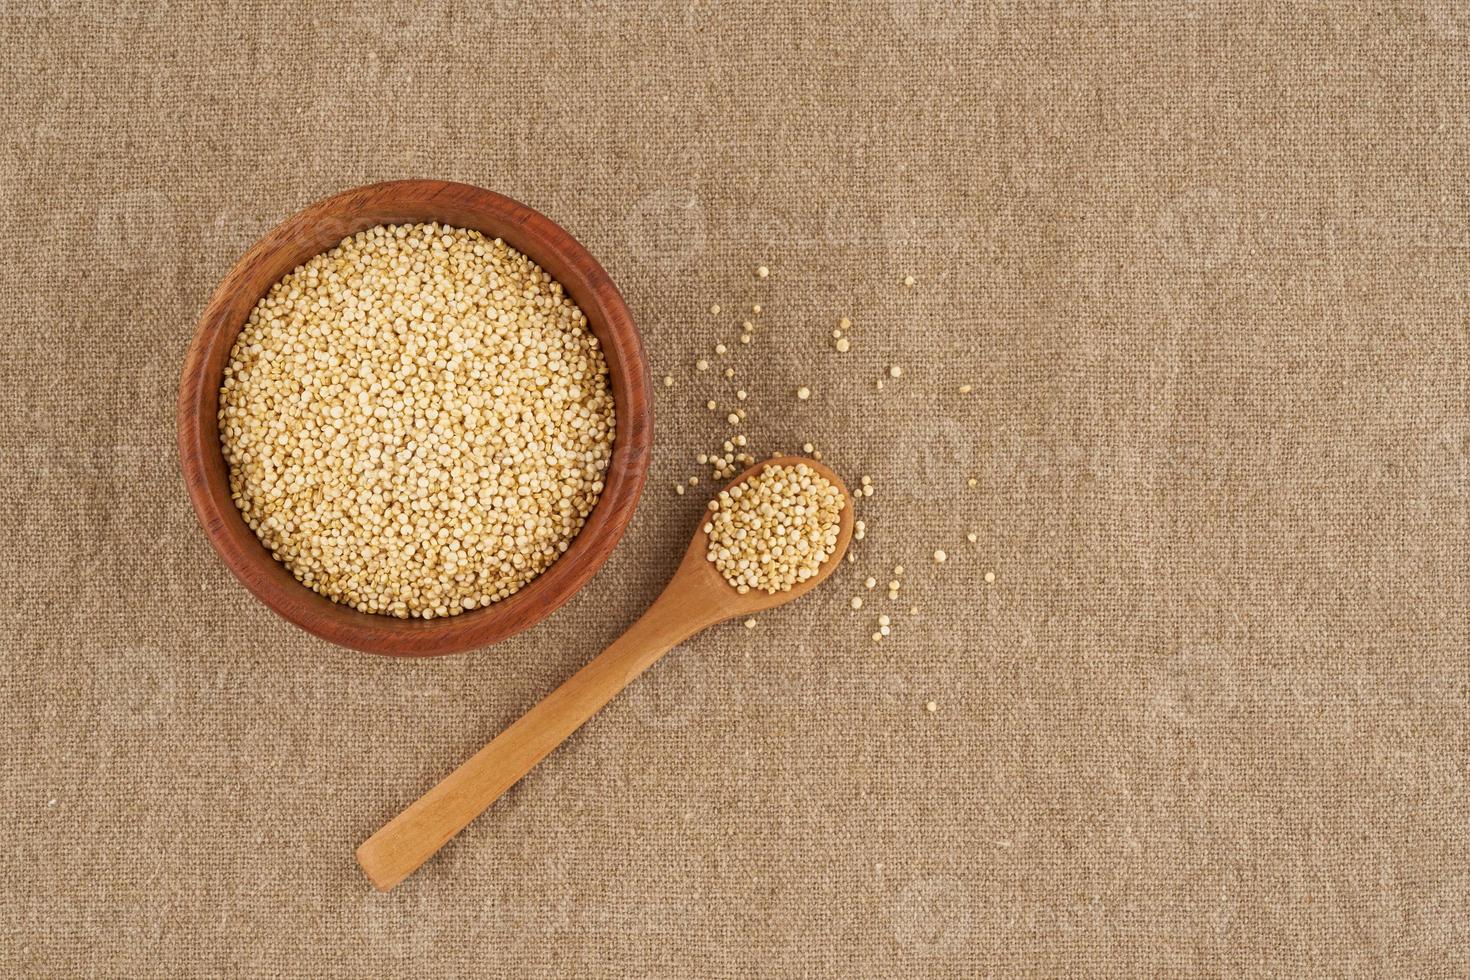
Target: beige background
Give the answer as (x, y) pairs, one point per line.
(1205, 264)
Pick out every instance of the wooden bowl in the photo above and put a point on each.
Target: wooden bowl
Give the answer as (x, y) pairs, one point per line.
(320, 227)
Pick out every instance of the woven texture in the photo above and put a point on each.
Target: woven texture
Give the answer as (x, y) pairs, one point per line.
(1204, 264)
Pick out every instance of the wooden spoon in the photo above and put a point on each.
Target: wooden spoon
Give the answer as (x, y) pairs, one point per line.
(696, 597)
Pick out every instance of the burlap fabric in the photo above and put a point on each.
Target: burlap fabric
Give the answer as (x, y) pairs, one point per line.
(1204, 264)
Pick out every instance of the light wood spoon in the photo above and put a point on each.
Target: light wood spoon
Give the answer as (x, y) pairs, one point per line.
(696, 597)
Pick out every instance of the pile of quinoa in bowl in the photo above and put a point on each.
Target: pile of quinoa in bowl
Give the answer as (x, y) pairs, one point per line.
(416, 422)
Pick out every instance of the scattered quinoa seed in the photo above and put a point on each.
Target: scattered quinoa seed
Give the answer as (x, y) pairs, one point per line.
(895, 371)
(939, 557)
(908, 281)
(803, 393)
(762, 271)
(990, 576)
(857, 602)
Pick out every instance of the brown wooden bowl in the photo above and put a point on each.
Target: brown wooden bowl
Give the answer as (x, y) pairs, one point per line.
(320, 227)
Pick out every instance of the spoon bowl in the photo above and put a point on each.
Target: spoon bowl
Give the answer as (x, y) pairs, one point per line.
(702, 586)
(696, 597)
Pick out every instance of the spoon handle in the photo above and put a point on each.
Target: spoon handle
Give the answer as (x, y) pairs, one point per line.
(412, 837)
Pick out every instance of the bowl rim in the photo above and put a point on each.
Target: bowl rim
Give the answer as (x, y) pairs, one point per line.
(319, 227)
